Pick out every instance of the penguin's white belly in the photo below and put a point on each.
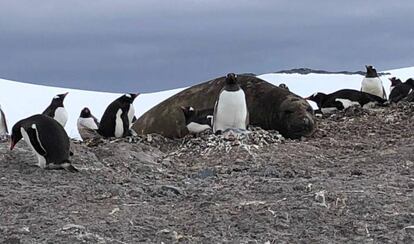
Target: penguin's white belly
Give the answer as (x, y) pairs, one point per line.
(119, 126)
(61, 116)
(346, 102)
(87, 123)
(131, 114)
(3, 127)
(195, 128)
(41, 160)
(373, 86)
(231, 111)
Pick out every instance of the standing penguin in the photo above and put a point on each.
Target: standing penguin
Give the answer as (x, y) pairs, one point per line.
(48, 140)
(3, 125)
(372, 83)
(230, 110)
(87, 124)
(56, 109)
(118, 116)
(401, 91)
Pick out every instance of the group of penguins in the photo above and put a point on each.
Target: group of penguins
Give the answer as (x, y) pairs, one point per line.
(372, 93)
(46, 136)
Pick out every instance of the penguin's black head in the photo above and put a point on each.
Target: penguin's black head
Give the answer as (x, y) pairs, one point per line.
(284, 86)
(317, 97)
(395, 81)
(371, 71)
(16, 135)
(231, 79)
(410, 82)
(188, 112)
(58, 99)
(128, 98)
(85, 113)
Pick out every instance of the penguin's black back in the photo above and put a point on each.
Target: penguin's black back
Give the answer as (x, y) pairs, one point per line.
(56, 103)
(199, 116)
(401, 91)
(107, 123)
(353, 95)
(53, 137)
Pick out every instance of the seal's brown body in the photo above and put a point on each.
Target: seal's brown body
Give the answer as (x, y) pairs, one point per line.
(270, 107)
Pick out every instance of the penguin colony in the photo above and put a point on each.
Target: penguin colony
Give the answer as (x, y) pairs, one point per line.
(372, 93)
(45, 134)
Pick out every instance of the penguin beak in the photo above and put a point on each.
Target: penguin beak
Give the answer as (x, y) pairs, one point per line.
(12, 144)
(135, 95)
(65, 94)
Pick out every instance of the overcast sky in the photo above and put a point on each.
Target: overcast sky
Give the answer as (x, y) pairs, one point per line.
(133, 45)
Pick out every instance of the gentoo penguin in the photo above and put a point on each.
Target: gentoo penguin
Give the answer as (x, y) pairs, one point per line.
(394, 82)
(56, 109)
(230, 110)
(3, 125)
(48, 140)
(117, 118)
(372, 83)
(197, 121)
(284, 86)
(87, 125)
(343, 99)
(401, 91)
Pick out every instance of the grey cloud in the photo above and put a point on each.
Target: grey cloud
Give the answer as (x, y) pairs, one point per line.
(156, 45)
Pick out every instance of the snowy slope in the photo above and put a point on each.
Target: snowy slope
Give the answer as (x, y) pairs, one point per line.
(20, 100)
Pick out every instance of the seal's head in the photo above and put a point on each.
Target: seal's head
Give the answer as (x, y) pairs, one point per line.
(297, 117)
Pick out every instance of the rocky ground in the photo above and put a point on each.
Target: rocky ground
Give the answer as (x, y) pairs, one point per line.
(352, 182)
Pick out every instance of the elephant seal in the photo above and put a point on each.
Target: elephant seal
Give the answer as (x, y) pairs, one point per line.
(270, 107)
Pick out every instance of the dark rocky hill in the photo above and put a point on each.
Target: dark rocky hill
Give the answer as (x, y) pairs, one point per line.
(305, 71)
(351, 182)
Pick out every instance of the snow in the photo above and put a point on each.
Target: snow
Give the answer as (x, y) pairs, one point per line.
(20, 100)
(306, 85)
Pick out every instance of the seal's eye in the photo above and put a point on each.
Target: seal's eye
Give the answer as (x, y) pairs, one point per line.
(288, 112)
(309, 109)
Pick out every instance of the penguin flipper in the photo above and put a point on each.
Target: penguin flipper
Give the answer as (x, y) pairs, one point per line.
(35, 141)
(3, 118)
(125, 123)
(384, 96)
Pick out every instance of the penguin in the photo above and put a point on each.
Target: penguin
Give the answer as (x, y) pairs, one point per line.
(48, 140)
(56, 109)
(197, 121)
(230, 110)
(87, 124)
(343, 99)
(401, 91)
(394, 82)
(118, 116)
(3, 125)
(372, 83)
(284, 86)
